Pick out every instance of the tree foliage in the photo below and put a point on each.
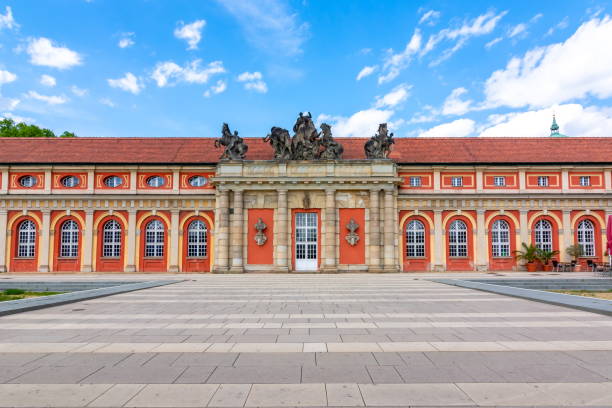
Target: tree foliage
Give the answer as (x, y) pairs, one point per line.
(8, 128)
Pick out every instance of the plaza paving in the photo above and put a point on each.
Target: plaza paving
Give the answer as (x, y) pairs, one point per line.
(305, 340)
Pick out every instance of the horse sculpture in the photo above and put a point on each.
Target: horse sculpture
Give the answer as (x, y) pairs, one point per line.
(281, 143)
(379, 145)
(235, 148)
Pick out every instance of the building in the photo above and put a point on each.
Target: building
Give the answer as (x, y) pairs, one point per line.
(170, 205)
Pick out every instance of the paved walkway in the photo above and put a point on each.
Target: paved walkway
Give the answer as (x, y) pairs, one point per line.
(305, 340)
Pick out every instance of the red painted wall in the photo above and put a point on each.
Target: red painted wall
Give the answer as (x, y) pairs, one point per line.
(260, 254)
(352, 255)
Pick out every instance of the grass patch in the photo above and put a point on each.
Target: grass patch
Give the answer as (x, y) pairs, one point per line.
(602, 294)
(16, 294)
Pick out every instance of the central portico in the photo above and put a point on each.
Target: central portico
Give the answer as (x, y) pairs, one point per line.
(306, 216)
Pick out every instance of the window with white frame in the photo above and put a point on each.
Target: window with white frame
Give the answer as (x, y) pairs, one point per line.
(586, 237)
(196, 240)
(156, 181)
(154, 239)
(585, 181)
(69, 239)
(543, 235)
(415, 181)
(111, 239)
(70, 181)
(457, 181)
(499, 181)
(500, 239)
(26, 240)
(415, 239)
(457, 239)
(543, 181)
(113, 181)
(28, 181)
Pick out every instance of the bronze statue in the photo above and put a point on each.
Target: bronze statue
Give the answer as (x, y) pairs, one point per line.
(332, 150)
(281, 143)
(306, 144)
(379, 145)
(235, 148)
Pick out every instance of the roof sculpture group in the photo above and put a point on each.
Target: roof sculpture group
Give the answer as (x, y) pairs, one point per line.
(306, 144)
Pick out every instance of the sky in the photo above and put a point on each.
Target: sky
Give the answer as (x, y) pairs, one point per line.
(181, 68)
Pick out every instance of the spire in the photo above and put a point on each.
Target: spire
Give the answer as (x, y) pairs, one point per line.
(554, 128)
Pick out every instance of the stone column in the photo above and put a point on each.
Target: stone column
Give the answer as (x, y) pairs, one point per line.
(236, 249)
(281, 227)
(3, 235)
(481, 251)
(389, 237)
(523, 228)
(221, 236)
(438, 250)
(43, 252)
(87, 261)
(329, 262)
(130, 257)
(374, 231)
(567, 237)
(174, 241)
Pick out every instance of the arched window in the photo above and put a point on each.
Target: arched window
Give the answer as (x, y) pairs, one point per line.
(457, 239)
(586, 237)
(196, 240)
(543, 235)
(415, 239)
(500, 239)
(26, 240)
(69, 240)
(154, 239)
(111, 239)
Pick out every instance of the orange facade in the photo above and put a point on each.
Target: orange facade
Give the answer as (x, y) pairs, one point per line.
(260, 254)
(352, 254)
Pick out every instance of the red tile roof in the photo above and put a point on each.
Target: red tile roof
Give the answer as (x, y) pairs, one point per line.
(202, 150)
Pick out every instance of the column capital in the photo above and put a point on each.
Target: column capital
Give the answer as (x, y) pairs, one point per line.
(175, 211)
(330, 190)
(480, 211)
(282, 190)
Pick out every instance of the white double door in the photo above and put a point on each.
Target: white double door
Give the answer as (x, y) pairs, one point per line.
(306, 245)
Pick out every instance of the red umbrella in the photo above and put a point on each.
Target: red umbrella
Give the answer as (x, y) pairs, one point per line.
(609, 236)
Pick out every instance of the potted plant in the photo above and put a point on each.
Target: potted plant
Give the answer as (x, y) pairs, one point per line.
(529, 254)
(575, 251)
(546, 258)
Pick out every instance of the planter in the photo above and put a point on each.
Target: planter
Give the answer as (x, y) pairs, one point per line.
(548, 268)
(577, 268)
(531, 266)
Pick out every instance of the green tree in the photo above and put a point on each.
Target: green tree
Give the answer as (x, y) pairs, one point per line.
(8, 128)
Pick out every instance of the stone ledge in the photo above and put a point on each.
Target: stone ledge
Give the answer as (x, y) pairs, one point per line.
(22, 305)
(588, 304)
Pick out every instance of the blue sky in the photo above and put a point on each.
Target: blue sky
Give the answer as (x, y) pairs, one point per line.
(150, 68)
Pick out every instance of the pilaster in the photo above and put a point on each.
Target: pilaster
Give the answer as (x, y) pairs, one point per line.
(567, 238)
(45, 233)
(374, 265)
(281, 228)
(86, 264)
(438, 251)
(174, 241)
(221, 236)
(329, 262)
(131, 242)
(3, 235)
(389, 234)
(482, 253)
(236, 233)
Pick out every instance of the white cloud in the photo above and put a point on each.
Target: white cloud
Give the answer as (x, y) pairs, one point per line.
(47, 80)
(8, 103)
(6, 77)
(169, 73)
(107, 102)
(517, 30)
(394, 63)
(253, 81)
(361, 124)
(217, 88)
(559, 26)
(49, 99)
(43, 52)
(557, 73)
(493, 42)
(270, 25)
(126, 40)
(430, 17)
(398, 95)
(454, 105)
(365, 71)
(7, 20)
(78, 91)
(573, 119)
(456, 128)
(129, 83)
(192, 33)
(17, 118)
